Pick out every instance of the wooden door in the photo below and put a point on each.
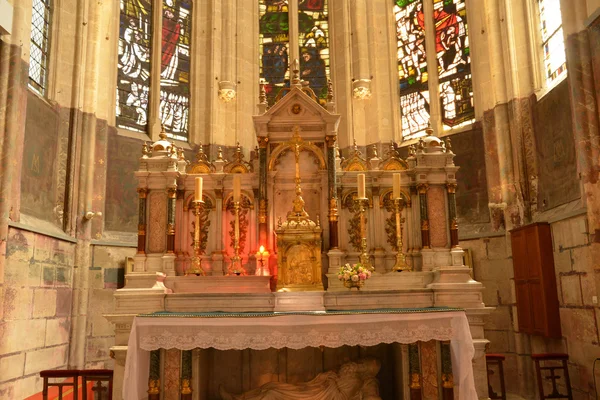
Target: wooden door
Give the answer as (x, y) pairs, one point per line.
(521, 273)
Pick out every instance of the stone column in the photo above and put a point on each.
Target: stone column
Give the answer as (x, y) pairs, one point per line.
(227, 84)
(584, 77)
(13, 103)
(361, 85)
(452, 220)
(169, 257)
(262, 191)
(154, 125)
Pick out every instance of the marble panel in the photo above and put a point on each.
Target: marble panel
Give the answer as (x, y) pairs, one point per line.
(171, 373)
(157, 222)
(438, 222)
(429, 369)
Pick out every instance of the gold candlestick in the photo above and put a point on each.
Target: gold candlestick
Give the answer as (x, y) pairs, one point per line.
(236, 267)
(401, 264)
(196, 268)
(364, 259)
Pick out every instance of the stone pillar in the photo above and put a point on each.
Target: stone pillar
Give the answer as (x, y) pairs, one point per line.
(262, 191)
(361, 85)
(584, 77)
(452, 219)
(293, 27)
(227, 84)
(154, 123)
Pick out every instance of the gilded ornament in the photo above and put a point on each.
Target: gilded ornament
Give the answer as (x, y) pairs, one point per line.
(415, 381)
(422, 188)
(451, 187)
(296, 108)
(447, 381)
(154, 386)
(185, 386)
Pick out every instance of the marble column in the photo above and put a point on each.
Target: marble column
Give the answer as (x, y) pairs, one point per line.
(143, 194)
(332, 190)
(263, 201)
(171, 202)
(452, 219)
(425, 240)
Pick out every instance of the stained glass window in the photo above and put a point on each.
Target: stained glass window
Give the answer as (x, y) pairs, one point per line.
(313, 31)
(412, 66)
(175, 67)
(133, 80)
(454, 62)
(274, 42)
(313, 42)
(40, 43)
(555, 60)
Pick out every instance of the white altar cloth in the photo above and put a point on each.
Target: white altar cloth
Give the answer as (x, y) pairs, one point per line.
(259, 331)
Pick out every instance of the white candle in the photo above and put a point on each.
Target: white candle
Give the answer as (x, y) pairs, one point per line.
(361, 186)
(198, 192)
(396, 182)
(237, 187)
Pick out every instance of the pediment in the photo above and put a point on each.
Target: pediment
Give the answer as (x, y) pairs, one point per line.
(296, 108)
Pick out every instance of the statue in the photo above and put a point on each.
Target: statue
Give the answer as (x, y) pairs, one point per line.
(354, 381)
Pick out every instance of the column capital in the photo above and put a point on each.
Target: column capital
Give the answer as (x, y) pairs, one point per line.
(262, 141)
(330, 140)
(422, 188)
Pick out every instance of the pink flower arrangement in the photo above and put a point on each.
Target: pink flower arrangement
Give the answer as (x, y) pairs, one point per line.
(353, 273)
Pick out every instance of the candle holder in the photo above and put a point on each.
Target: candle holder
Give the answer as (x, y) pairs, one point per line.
(363, 204)
(196, 268)
(236, 268)
(401, 264)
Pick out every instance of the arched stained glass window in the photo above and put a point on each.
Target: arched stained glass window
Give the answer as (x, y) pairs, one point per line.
(555, 60)
(453, 61)
(412, 66)
(278, 46)
(134, 89)
(133, 79)
(175, 67)
(41, 17)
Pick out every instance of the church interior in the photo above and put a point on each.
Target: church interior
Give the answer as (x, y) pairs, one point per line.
(299, 199)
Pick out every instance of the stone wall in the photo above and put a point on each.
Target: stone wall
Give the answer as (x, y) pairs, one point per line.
(34, 333)
(107, 274)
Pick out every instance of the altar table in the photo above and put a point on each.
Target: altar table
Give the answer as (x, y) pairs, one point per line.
(296, 330)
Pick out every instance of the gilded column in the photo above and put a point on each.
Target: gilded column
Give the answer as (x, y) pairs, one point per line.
(154, 376)
(451, 187)
(143, 194)
(333, 201)
(186, 375)
(171, 204)
(425, 240)
(262, 190)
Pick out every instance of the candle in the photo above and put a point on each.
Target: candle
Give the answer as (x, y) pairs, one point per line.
(396, 182)
(361, 186)
(237, 187)
(198, 192)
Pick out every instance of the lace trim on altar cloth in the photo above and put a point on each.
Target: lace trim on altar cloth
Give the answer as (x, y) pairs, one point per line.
(294, 337)
(254, 314)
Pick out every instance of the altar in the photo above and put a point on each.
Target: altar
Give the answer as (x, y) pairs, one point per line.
(298, 330)
(271, 267)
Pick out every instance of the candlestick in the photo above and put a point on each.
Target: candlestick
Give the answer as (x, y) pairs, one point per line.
(198, 192)
(196, 268)
(363, 204)
(396, 185)
(237, 187)
(361, 186)
(400, 265)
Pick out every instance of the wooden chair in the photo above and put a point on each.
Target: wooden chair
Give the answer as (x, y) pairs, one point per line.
(496, 360)
(548, 362)
(98, 376)
(60, 374)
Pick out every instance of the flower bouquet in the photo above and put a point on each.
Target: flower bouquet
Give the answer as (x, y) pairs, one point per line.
(354, 275)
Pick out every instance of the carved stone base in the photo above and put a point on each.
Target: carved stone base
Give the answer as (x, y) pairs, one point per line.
(336, 259)
(299, 301)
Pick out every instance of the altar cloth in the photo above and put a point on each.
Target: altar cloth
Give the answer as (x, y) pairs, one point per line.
(296, 330)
